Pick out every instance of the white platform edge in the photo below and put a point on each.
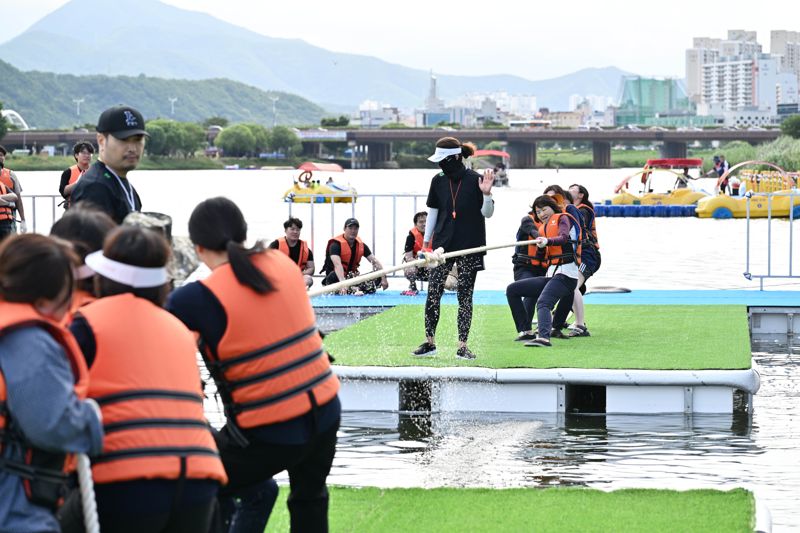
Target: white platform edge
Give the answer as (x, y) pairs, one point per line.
(748, 380)
(763, 516)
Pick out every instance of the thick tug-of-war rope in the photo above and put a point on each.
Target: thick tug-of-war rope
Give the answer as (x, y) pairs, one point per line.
(426, 259)
(90, 519)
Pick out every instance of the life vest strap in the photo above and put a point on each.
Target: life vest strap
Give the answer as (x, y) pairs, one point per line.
(303, 387)
(149, 394)
(183, 423)
(29, 472)
(235, 384)
(266, 350)
(154, 451)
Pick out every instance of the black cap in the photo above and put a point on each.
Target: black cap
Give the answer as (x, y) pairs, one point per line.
(121, 122)
(351, 222)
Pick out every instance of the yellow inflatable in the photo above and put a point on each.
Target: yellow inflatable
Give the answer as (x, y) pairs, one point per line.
(307, 190)
(681, 193)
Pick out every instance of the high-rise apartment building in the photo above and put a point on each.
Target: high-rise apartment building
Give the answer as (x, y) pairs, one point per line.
(787, 45)
(705, 50)
(735, 84)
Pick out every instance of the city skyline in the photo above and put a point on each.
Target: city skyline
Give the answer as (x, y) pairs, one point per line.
(596, 38)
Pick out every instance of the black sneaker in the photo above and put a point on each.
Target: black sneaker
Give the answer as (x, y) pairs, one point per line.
(464, 353)
(539, 342)
(425, 349)
(558, 334)
(525, 337)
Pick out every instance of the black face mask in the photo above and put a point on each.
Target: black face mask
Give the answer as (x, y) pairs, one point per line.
(451, 165)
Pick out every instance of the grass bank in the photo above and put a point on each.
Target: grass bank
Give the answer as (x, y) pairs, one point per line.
(553, 510)
(653, 337)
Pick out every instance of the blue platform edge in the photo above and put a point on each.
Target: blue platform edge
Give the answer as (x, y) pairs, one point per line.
(644, 297)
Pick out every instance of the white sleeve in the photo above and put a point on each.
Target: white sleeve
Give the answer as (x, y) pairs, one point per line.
(487, 209)
(433, 214)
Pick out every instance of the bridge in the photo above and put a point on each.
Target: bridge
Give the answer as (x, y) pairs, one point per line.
(373, 148)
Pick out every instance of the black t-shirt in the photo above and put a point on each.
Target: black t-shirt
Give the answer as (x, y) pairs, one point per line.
(468, 228)
(409, 246)
(64, 181)
(336, 249)
(99, 186)
(294, 251)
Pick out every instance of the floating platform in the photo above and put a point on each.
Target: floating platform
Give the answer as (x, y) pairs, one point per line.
(640, 210)
(646, 355)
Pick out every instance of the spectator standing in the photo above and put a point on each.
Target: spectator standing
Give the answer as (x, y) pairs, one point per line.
(82, 152)
(12, 186)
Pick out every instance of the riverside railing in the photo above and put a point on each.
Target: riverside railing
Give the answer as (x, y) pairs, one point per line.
(770, 273)
(384, 221)
(41, 211)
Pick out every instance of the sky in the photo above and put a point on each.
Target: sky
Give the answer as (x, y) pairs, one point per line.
(535, 40)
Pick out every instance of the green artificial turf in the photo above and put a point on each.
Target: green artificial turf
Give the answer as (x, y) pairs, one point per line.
(655, 337)
(365, 510)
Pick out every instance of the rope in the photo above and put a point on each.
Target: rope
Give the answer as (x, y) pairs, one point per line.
(90, 519)
(428, 259)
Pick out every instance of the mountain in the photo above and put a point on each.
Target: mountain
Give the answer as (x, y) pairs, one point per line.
(150, 37)
(46, 100)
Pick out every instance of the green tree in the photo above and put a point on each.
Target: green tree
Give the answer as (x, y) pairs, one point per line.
(236, 141)
(156, 143)
(192, 138)
(261, 135)
(215, 121)
(791, 126)
(335, 122)
(3, 123)
(283, 139)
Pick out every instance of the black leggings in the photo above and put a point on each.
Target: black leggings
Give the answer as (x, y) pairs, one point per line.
(468, 267)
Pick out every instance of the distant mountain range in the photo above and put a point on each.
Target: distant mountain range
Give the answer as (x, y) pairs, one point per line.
(46, 100)
(156, 39)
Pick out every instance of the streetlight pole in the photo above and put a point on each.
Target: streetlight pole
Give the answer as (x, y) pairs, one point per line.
(274, 116)
(78, 102)
(172, 101)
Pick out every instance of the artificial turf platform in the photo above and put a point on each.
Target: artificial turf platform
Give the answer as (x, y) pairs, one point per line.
(652, 337)
(553, 509)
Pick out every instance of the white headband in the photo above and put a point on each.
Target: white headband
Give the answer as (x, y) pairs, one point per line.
(83, 272)
(135, 276)
(441, 153)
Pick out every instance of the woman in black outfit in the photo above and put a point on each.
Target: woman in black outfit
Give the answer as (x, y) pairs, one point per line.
(459, 200)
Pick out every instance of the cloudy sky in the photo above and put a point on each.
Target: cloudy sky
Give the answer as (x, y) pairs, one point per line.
(536, 40)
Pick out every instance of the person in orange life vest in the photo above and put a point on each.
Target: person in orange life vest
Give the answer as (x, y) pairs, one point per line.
(342, 257)
(297, 250)
(459, 202)
(82, 152)
(43, 383)
(412, 247)
(11, 182)
(159, 469)
(561, 232)
(6, 212)
(260, 342)
(527, 260)
(86, 228)
(590, 262)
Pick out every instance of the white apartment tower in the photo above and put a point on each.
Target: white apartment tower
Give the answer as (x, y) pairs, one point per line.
(787, 45)
(705, 50)
(735, 84)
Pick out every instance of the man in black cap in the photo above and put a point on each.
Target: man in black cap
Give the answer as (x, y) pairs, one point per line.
(342, 257)
(120, 138)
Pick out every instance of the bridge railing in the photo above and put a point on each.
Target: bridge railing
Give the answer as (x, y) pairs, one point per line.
(784, 257)
(384, 221)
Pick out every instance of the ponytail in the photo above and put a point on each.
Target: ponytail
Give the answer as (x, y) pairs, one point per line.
(243, 268)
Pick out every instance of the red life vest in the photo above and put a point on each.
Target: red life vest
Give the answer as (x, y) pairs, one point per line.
(146, 381)
(350, 261)
(20, 315)
(5, 178)
(562, 254)
(75, 173)
(283, 246)
(418, 236)
(270, 365)
(6, 212)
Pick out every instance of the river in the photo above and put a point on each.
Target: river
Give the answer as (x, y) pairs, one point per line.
(503, 450)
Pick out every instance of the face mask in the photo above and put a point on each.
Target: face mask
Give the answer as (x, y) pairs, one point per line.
(451, 165)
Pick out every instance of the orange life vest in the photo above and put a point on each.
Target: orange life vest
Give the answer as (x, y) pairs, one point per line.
(270, 365)
(75, 172)
(80, 298)
(536, 254)
(5, 178)
(6, 212)
(19, 315)
(146, 381)
(562, 254)
(283, 246)
(350, 261)
(418, 236)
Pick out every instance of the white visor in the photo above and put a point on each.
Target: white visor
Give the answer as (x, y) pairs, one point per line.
(441, 153)
(134, 276)
(83, 272)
